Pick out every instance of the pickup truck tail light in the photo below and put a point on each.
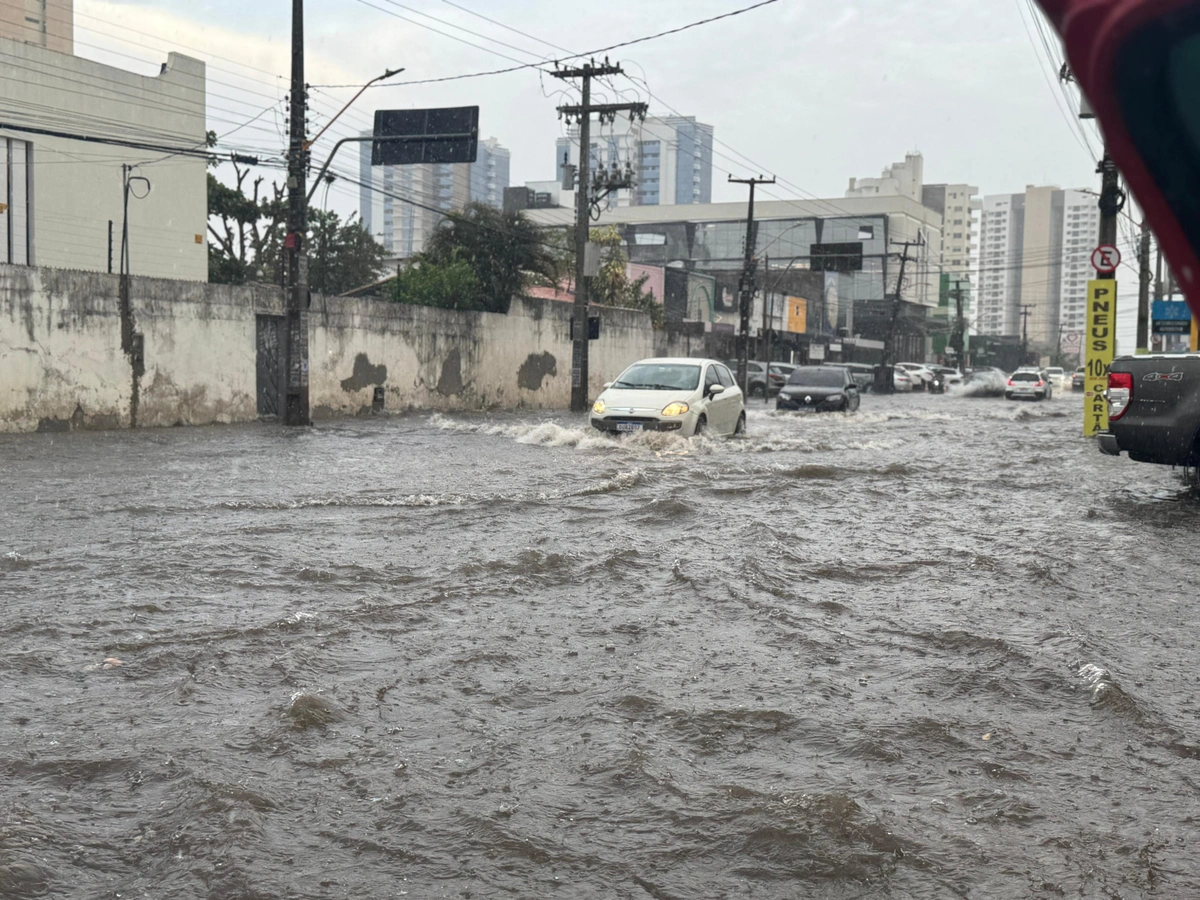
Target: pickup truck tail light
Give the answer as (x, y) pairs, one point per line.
(1119, 394)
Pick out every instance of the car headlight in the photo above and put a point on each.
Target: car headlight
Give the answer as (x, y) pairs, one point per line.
(675, 409)
(598, 407)
(835, 398)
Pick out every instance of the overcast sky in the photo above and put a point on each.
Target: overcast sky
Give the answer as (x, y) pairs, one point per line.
(812, 91)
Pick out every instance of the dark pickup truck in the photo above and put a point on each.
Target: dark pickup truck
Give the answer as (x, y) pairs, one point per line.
(1154, 409)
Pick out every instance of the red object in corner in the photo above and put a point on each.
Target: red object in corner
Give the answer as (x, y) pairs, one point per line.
(1093, 32)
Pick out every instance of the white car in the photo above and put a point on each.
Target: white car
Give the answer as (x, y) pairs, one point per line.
(690, 396)
(1057, 375)
(901, 381)
(920, 375)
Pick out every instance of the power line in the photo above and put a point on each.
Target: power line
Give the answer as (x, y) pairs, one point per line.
(596, 52)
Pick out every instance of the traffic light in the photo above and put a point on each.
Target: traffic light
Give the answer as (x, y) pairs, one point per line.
(1138, 65)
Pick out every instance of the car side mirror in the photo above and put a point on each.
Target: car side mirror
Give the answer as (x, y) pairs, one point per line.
(607, 385)
(715, 389)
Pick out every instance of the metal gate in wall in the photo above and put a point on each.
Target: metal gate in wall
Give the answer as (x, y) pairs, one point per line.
(269, 363)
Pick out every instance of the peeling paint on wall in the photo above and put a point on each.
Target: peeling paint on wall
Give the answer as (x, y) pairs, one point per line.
(365, 375)
(535, 369)
(199, 352)
(451, 382)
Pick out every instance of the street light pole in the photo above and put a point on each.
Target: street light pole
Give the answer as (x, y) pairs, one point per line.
(387, 74)
(131, 341)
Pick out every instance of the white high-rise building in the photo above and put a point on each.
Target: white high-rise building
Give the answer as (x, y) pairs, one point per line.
(404, 227)
(671, 158)
(1035, 260)
(998, 292)
(1080, 235)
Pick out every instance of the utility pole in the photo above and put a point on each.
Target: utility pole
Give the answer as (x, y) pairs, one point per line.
(1112, 201)
(583, 209)
(1026, 308)
(1158, 284)
(959, 340)
(132, 343)
(1143, 314)
(884, 382)
(295, 408)
(746, 285)
(765, 349)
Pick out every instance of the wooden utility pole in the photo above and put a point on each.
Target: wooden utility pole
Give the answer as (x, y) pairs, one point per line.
(746, 285)
(295, 408)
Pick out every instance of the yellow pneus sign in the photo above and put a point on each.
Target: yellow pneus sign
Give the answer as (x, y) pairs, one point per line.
(1101, 337)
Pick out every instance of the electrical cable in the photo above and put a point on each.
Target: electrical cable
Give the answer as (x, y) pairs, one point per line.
(629, 43)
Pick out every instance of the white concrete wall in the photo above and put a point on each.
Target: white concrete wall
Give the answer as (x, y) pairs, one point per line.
(62, 366)
(77, 185)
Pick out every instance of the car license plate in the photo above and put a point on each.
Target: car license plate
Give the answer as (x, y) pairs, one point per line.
(629, 426)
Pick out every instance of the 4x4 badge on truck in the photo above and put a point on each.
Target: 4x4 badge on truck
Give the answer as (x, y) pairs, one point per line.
(1163, 376)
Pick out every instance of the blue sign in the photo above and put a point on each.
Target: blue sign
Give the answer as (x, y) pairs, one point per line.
(1171, 311)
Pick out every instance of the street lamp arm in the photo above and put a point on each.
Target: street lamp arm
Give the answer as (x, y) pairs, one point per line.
(386, 138)
(388, 74)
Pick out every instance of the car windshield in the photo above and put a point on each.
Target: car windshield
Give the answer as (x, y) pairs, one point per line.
(1026, 376)
(659, 377)
(815, 377)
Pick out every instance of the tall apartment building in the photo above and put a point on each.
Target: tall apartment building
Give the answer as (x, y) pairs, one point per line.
(1034, 255)
(958, 204)
(671, 157)
(1080, 234)
(998, 292)
(405, 228)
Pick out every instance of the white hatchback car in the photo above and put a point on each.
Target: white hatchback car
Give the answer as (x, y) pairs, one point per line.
(690, 396)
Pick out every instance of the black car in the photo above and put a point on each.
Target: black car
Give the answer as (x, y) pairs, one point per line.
(819, 388)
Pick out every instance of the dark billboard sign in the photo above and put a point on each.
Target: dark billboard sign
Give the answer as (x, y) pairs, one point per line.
(836, 257)
(407, 137)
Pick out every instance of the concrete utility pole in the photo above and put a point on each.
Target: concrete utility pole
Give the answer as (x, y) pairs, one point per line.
(583, 209)
(132, 343)
(746, 287)
(765, 349)
(1143, 317)
(884, 382)
(1025, 312)
(1112, 201)
(295, 408)
(960, 329)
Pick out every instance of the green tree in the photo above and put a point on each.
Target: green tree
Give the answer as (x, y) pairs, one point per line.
(612, 287)
(450, 284)
(243, 221)
(247, 222)
(504, 249)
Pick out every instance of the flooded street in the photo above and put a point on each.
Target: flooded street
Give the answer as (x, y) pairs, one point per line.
(938, 648)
